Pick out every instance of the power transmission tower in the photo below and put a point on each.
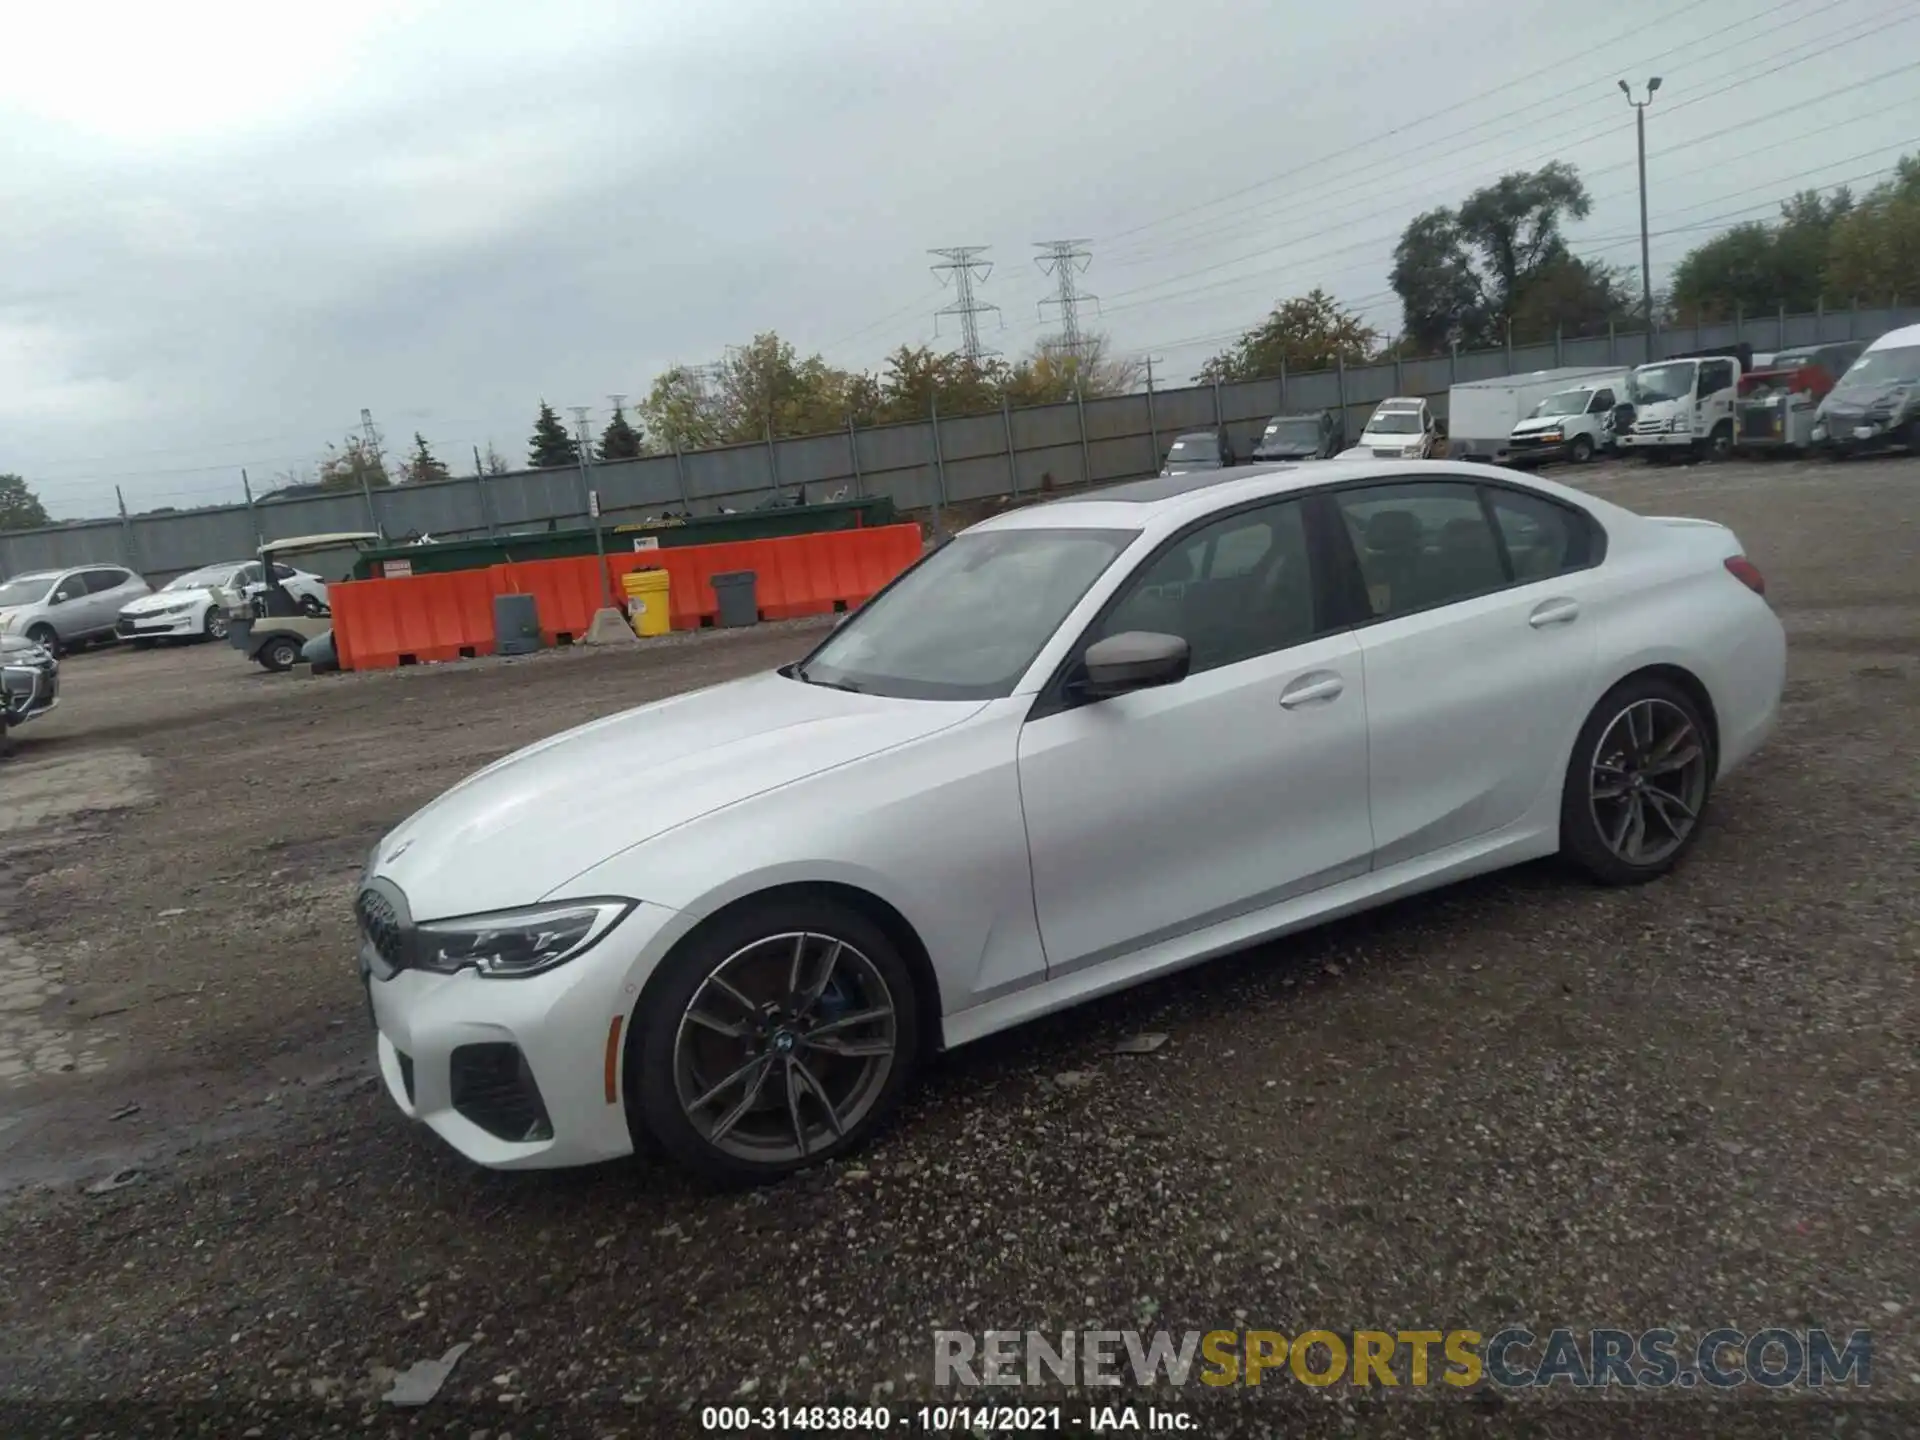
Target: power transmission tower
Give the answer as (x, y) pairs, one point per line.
(964, 265)
(371, 434)
(1064, 260)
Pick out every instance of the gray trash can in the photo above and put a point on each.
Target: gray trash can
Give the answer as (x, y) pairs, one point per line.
(739, 598)
(516, 625)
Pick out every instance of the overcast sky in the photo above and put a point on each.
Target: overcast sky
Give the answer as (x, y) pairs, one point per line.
(225, 227)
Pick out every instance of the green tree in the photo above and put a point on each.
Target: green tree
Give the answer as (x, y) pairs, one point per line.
(915, 376)
(1461, 274)
(620, 440)
(353, 464)
(1761, 266)
(422, 465)
(1053, 370)
(681, 410)
(1571, 296)
(20, 508)
(551, 444)
(1874, 251)
(1308, 332)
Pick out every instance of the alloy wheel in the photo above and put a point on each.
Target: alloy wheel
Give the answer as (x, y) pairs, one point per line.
(1648, 781)
(785, 1047)
(216, 625)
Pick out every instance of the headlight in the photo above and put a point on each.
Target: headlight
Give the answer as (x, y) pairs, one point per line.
(511, 943)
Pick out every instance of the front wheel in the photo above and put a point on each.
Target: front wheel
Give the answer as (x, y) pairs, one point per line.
(214, 627)
(1582, 449)
(778, 1039)
(279, 654)
(46, 638)
(1638, 783)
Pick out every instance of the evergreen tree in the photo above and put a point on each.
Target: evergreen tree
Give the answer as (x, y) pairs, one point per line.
(550, 444)
(620, 440)
(423, 464)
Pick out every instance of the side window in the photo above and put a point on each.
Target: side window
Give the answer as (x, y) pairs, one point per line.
(246, 575)
(282, 572)
(1715, 375)
(1421, 545)
(1542, 539)
(1238, 588)
(71, 587)
(1602, 402)
(98, 580)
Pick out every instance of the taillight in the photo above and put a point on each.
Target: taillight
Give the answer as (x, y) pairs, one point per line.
(1747, 573)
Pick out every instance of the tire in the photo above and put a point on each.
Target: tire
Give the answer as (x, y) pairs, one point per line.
(1582, 449)
(214, 624)
(1645, 747)
(280, 654)
(47, 639)
(6, 738)
(1720, 443)
(686, 1080)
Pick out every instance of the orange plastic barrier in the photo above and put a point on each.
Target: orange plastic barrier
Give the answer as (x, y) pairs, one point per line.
(378, 624)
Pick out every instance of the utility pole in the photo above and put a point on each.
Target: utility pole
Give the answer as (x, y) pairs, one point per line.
(964, 266)
(1646, 265)
(1064, 260)
(1153, 425)
(593, 502)
(371, 458)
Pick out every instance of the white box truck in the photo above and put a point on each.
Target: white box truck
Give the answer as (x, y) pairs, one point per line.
(1482, 414)
(1684, 406)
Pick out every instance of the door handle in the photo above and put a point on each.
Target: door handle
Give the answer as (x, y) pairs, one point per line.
(1554, 612)
(1309, 688)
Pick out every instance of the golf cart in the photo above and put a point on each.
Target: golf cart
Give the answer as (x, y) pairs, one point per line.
(271, 627)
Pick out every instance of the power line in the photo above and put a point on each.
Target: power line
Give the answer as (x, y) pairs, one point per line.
(964, 265)
(1064, 260)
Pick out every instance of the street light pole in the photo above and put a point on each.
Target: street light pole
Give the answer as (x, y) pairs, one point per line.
(1646, 265)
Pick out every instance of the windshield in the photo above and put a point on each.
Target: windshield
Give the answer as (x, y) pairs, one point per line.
(1661, 382)
(966, 622)
(1895, 366)
(1567, 402)
(1395, 422)
(201, 579)
(1194, 447)
(27, 590)
(1292, 432)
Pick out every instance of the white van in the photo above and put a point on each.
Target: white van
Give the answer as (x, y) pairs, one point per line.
(1400, 428)
(1876, 404)
(1483, 416)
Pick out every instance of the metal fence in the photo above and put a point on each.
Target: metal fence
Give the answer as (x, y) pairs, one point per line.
(919, 465)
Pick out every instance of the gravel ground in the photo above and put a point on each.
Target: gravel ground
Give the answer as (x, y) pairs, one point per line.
(1520, 1100)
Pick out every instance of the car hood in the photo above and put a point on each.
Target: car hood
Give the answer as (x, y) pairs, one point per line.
(1284, 450)
(1389, 442)
(16, 647)
(515, 831)
(1851, 398)
(162, 599)
(1541, 422)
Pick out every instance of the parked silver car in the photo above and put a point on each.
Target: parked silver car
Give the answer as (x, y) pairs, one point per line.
(58, 609)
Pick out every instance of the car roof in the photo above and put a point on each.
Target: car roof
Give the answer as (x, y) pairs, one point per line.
(1898, 339)
(1401, 402)
(1176, 499)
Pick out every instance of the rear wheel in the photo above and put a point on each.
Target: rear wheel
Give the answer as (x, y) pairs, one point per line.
(780, 1038)
(1638, 782)
(280, 653)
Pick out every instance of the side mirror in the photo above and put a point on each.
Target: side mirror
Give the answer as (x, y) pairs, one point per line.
(60, 597)
(1134, 660)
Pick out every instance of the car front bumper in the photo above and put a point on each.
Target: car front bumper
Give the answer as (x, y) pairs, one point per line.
(153, 627)
(520, 1074)
(1529, 452)
(28, 691)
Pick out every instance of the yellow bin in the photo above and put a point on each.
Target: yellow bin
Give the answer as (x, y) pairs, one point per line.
(647, 603)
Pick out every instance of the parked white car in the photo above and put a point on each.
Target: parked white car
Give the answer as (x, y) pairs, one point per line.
(1081, 745)
(308, 590)
(1401, 428)
(59, 609)
(185, 607)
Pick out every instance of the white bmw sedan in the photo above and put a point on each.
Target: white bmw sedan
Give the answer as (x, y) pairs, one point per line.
(1081, 745)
